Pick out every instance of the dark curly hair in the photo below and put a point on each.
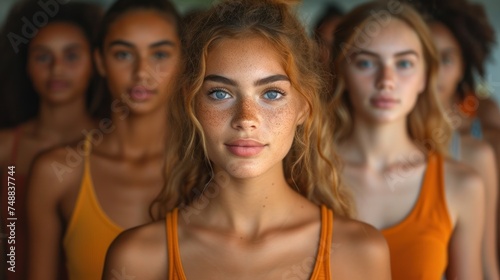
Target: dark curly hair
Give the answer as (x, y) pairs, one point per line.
(469, 24)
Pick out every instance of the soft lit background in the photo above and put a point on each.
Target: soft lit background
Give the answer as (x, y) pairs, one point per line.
(309, 11)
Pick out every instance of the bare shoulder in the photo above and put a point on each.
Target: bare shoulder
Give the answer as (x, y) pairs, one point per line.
(59, 170)
(476, 151)
(460, 179)
(359, 251)
(139, 252)
(464, 188)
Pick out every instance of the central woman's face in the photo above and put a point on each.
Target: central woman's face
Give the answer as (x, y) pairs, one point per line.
(385, 77)
(140, 56)
(247, 108)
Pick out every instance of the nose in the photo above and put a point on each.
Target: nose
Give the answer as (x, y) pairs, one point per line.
(246, 116)
(386, 78)
(143, 72)
(57, 65)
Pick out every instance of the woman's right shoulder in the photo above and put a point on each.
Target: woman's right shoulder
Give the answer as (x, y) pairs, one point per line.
(140, 252)
(361, 249)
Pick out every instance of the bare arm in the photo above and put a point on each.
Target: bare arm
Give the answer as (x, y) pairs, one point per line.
(480, 157)
(44, 221)
(359, 251)
(465, 193)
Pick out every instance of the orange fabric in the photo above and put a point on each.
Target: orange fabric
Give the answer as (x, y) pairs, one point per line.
(419, 244)
(89, 233)
(321, 270)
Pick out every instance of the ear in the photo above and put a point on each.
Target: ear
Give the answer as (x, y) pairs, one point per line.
(99, 63)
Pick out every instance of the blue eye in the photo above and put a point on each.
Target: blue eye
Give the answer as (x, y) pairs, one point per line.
(405, 64)
(364, 64)
(273, 95)
(219, 94)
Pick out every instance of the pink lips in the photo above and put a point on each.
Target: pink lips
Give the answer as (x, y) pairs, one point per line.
(140, 93)
(382, 102)
(245, 148)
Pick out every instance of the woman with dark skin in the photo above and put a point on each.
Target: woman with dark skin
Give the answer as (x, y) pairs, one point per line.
(254, 186)
(105, 184)
(47, 84)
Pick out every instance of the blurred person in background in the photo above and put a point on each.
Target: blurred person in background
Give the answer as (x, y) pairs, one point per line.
(46, 94)
(118, 170)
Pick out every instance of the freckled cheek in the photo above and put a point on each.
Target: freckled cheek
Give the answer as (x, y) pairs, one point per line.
(282, 121)
(210, 117)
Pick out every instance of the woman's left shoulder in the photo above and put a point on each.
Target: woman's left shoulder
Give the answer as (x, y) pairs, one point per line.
(359, 251)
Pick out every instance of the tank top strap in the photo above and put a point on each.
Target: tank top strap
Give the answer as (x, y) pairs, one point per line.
(432, 200)
(322, 268)
(18, 132)
(175, 270)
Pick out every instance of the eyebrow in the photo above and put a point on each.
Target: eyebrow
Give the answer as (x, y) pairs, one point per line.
(153, 45)
(365, 52)
(261, 82)
(45, 48)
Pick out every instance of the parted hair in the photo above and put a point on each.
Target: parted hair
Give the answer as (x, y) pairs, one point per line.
(426, 123)
(311, 165)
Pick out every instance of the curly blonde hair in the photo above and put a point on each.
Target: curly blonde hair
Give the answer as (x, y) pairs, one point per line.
(311, 164)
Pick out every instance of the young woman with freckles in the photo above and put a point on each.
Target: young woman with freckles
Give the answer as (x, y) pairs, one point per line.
(393, 142)
(463, 38)
(252, 190)
(138, 53)
(48, 85)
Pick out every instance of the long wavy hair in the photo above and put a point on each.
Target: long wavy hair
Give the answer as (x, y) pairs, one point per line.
(311, 165)
(426, 123)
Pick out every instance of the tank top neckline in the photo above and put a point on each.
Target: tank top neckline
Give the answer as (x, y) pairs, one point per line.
(323, 250)
(424, 185)
(87, 175)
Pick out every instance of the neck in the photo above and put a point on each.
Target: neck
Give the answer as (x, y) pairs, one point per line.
(248, 207)
(63, 123)
(380, 145)
(138, 135)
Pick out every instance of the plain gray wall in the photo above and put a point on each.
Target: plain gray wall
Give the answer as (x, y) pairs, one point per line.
(309, 10)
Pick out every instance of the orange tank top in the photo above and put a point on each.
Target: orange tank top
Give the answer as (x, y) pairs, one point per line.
(89, 232)
(321, 270)
(419, 244)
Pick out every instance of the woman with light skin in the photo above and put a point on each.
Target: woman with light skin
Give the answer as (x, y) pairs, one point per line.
(393, 142)
(461, 56)
(46, 86)
(84, 207)
(252, 189)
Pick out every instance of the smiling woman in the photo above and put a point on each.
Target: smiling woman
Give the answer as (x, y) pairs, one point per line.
(248, 172)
